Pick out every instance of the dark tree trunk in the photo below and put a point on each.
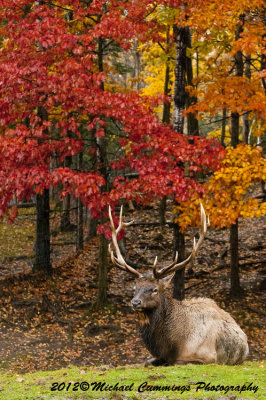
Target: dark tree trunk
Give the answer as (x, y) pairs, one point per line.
(93, 222)
(235, 282)
(162, 209)
(102, 273)
(234, 129)
(179, 278)
(167, 89)
(165, 119)
(102, 153)
(235, 288)
(223, 128)
(42, 244)
(65, 223)
(245, 118)
(80, 233)
(192, 122)
(182, 37)
(263, 80)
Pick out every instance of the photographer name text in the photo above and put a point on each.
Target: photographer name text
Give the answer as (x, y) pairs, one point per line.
(100, 386)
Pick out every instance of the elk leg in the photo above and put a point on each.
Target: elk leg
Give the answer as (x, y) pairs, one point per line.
(156, 362)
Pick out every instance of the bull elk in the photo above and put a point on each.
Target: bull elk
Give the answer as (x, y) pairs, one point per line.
(179, 332)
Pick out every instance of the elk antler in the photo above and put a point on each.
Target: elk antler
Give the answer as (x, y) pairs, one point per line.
(118, 259)
(174, 266)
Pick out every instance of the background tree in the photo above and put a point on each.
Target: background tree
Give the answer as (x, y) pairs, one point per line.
(61, 58)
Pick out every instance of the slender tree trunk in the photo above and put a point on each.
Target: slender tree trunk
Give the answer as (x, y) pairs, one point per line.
(245, 118)
(235, 282)
(193, 123)
(65, 224)
(236, 289)
(181, 39)
(162, 209)
(93, 222)
(42, 244)
(165, 119)
(102, 273)
(103, 252)
(223, 128)
(263, 81)
(167, 89)
(80, 233)
(179, 278)
(234, 129)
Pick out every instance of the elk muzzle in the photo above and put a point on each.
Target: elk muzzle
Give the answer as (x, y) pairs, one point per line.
(136, 302)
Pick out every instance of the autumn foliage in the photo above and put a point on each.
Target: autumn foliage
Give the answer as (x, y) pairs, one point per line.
(228, 193)
(53, 101)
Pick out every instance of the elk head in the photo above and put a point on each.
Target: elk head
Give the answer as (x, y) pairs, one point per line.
(150, 286)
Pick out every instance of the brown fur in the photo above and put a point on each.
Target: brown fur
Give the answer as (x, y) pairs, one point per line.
(194, 330)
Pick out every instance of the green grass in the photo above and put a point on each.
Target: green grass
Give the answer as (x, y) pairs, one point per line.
(38, 385)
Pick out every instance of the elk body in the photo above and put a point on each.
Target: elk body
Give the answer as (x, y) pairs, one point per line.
(178, 332)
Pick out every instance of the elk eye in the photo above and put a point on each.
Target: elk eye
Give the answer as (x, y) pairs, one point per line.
(154, 291)
(148, 291)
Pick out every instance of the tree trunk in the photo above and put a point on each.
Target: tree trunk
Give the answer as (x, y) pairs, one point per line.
(181, 39)
(93, 224)
(165, 119)
(223, 128)
(65, 223)
(102, 153)
(245, 118)
(235, 289)
(102, 273)
(162, 209)
(42, 244)
(235, 282)
(167, 106)
(192, 122)
(234, 129)
(80, 233)
(179, 278)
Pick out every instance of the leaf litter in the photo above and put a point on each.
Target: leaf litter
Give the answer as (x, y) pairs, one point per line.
(50, 322)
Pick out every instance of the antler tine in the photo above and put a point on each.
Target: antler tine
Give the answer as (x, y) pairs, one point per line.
(118, 259)
(154, 267)
(172, 267)
(205, 222)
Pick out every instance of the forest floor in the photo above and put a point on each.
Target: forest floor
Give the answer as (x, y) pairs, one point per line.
(49, 322)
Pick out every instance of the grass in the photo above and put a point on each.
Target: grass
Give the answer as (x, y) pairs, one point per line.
(17, 239)
(184, 378)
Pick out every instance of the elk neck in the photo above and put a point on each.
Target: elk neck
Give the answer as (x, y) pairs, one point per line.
(152, 317)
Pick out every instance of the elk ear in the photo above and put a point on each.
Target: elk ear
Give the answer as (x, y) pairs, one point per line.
(167, 280)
